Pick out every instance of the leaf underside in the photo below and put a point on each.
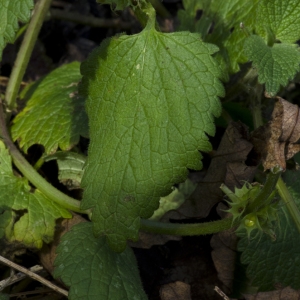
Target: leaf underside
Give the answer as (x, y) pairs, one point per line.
(151, 97)
(54, 115)
(25, 216)
(12, 11)
(93, 271)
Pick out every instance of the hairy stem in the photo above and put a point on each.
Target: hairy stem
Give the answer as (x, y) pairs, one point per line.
(289, 202)
(30, 173)
(187, 229)
(263, 197)
(25, 51)
(88, 20)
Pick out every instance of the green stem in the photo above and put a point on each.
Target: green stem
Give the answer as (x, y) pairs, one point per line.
(25, 51)
(187, 229)
(160, 9)
(39, 163)
(30, 173)
(289, 202)
(89, 20)
(280, 185)
(263, 197)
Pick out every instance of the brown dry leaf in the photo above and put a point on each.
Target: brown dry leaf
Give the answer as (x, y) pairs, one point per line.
(175, 291)
(283, 294)
(227, 166)
(275, 141)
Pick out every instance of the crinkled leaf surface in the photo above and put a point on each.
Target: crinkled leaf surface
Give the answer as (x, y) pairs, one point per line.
(275, 65)
(70, 167)
(32, 215)
(279, 18)
(54, 115)
(93, 271)
(12, 11)
(220, 24)
(275, 263)
(151, 99)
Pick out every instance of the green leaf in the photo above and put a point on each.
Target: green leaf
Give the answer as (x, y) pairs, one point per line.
(32, 215)
(275, 263)
(151, 99)
(12, 11)
(279, 18)
(54, 115)
(70, 167)
(220, 24)
(275, 65)
(93, 271)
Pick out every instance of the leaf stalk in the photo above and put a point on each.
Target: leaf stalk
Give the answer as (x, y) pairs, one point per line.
(187, 229)
(25, 51)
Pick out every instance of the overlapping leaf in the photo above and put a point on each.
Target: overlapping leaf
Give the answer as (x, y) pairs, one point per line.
(12, 11)
(275, 65)
(151, 100)
(280, 19)
(26, 217)
(93, 271)
(277, 263)
(54, 115)
(220, 24)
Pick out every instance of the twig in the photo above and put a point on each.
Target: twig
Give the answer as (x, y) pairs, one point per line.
(18, 277)
(221, 293)
(33, 276)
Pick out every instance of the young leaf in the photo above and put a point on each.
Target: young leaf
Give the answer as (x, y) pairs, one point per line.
(12, 11)
(93, 271)
(272, 263)
(220, 24)
(275, 65)
(151, 99)
(54, 115)
(25, 212)
(279, 18)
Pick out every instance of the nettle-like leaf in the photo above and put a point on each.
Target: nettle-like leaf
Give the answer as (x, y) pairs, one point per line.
(275, 65)
(220, 24)
(275, 263)
(54, 115)
(12, 11)
(93, 271)
(26, 217)
(151, 99)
